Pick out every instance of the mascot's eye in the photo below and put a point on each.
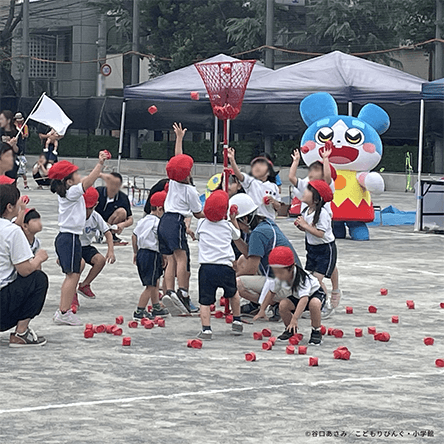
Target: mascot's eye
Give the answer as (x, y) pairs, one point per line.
(354, 136)
(324, 135)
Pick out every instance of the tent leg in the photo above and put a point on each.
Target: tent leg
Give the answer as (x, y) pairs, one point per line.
(215, 144)
(350, 108)
(420, 150)
(122, 130)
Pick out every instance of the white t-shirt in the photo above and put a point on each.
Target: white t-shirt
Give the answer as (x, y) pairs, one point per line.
(72, 210)
(14, 249)
(93, 223)
(257, 190)
(215, 242)
(182, 198)
(146, 232)
(282, 289)
(324, 224)
(298, 191)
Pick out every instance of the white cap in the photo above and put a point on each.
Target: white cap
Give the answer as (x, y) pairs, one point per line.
(244, 203)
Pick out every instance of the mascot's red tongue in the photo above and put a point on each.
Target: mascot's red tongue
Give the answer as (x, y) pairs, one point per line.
(341, 156)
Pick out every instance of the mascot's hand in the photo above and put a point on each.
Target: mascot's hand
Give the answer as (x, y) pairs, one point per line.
(372, 182)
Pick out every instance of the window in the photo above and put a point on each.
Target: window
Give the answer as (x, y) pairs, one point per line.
(42, 47)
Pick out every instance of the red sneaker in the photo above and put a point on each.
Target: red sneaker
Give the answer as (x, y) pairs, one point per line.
(75, 301)
(86, 291)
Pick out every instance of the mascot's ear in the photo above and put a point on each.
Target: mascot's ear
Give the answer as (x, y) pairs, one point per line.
(376, 117)
(317, 106)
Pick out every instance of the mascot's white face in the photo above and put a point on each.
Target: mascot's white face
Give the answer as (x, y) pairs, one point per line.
(356, 141)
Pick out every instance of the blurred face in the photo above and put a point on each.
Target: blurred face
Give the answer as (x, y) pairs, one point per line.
(315, 174)
(113, 186)
(4, 122)
(233, 187)
(76, 179)
(6, 161)
(34, 226)
(259, 170)
(42, 158)
(243, 225)
(283, 274)
(307, 197)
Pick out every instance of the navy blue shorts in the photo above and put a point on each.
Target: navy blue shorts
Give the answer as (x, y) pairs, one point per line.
(172, 233)
(321, 258)
(88, 252)
(69, 252)
(149, 265)
(212, 277)
(318, 294)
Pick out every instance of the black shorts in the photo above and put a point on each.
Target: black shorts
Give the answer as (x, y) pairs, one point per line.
(321, 258)
(22, 299)
(172, 233)
(149, 265)
(319, 294)
(69, 252)
(88, 252)
(212, 277)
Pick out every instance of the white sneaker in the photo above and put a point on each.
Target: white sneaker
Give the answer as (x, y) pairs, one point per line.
(175, 310)
(328, 310)
(206, 335)
(69, 318)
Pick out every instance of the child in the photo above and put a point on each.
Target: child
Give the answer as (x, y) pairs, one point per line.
(296, 292)
(40, 172)
(216, 257)
(182, 201)
(69, 185)
(261, 185)
(32, 224)
(52, 139)
(318, 171)
(148, 258)
(319, 239)
(21, 144)
(90, 254)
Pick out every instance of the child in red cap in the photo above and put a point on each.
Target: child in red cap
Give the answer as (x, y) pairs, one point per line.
(315, 221)
(70, 187)
(216, 257)
(182, 202)
(318, 171)
(296, 292)
(90, 255)
(148, 258)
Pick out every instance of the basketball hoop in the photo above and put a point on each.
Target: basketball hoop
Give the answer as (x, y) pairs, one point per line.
(226, 83)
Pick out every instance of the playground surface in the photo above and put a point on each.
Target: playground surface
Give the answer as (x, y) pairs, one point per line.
(77, 390)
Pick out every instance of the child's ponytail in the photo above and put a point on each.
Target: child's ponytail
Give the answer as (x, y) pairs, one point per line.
(59, 187)
(319, 203)
(299, 279)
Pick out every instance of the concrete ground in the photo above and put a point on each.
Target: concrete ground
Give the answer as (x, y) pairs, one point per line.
(77, 390)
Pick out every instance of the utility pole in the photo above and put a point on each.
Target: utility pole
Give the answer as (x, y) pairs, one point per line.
(135, 73)
(101, 55)
(269, 56)
(25, 50)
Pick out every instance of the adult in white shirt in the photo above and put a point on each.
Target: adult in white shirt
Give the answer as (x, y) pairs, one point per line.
(23, 286)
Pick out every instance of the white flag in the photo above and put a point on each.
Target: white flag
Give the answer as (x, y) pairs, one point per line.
(49, 113)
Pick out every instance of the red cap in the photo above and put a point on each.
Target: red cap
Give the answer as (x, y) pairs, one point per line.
(281, 257)
(158, 199)
(91, 197)
(179, 167)
(62, 169)
(216, 206)
(5, 180)
(323, 189)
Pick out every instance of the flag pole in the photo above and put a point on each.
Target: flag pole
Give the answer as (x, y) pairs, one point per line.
(29, 115)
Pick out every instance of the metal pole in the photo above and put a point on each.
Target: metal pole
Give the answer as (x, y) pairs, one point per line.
(25, 50)
(350, 108)
(101, 55)
(269, 36)
(439, 71)
(122, 131)
(135, 72)
(420, 149)
(215, 144)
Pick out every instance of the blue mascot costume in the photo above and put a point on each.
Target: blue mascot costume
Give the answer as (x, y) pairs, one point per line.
(357, 148)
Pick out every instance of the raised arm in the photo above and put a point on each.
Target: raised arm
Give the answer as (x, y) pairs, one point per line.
(296, 156)
(89, 180)
(232, 160)
(326, 162)
(180, 134)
